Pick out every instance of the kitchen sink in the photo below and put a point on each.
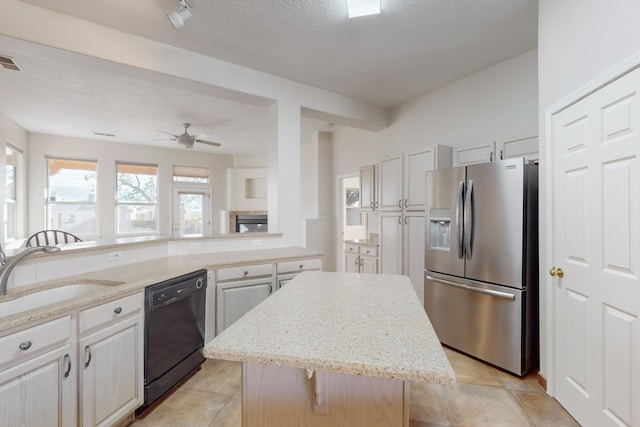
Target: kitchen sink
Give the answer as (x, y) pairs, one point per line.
(50, 296)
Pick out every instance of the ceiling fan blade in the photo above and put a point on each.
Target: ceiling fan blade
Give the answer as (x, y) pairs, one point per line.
(202, 141)
(161, 131)
(164, 139)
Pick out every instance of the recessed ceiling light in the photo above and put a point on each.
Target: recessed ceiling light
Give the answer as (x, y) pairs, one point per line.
(357, 8)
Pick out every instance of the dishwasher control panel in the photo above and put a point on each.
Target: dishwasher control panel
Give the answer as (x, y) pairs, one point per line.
(171, 290)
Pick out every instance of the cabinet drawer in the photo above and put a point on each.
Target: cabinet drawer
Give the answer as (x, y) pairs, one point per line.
(351, 248)
(369, 251)
(29, 341)
(299, 265)
(109, 311)
(235, 273)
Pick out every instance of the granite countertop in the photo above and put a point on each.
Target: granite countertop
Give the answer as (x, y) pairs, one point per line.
(361, 324)
(130, 278)
(364, 242)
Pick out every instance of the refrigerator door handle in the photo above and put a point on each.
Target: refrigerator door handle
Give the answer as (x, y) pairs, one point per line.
(472, 288)
(459, 205)
(468, 219)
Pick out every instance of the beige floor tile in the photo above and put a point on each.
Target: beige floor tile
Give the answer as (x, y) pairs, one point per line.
(428, 404)
(481, 406)
(231, 414)
(185, 407)
(543, 410)
(471, 371)
(217, 376)
(528, 383)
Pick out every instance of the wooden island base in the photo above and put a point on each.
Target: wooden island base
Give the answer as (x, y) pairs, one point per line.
(277, 396)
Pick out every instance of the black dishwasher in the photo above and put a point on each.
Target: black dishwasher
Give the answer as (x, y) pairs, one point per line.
(174, 332)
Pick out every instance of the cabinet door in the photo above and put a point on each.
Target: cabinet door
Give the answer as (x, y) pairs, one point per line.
(351, 263)
(391, 243)
(369, 265)
(235, 299)
(416, 164)
(367, 188)
(40, 391)
(477, 154)
(111, 372)
(525, 146)
(390, 196)
(414, 237)
(283, 280)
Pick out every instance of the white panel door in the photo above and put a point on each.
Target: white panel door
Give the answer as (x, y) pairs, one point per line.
(391, 196)
(416, 166)
(391, 243)
(596, 145)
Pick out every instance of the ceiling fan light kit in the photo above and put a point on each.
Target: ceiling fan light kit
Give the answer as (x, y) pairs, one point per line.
(178, 18)
(188, 140)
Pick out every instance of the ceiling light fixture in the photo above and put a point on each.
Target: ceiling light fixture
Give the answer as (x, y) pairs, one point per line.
(178, 18)
(357, 8)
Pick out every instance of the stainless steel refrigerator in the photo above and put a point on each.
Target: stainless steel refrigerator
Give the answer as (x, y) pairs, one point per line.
(481, 261)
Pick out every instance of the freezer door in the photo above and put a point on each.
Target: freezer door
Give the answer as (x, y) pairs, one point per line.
(494, 222)
(485, 321)
(444, 221)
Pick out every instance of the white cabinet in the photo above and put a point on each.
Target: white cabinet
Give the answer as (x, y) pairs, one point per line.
(416, 164)
(477, 154)
(111, 357)
(368, 188)
(391, 242)
(390, 194)
(524, 146)
(288, 270)
(360, 258)
(38, 376)
(235, 299)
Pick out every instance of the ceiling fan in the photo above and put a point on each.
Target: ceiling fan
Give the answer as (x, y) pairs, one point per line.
(188, 140)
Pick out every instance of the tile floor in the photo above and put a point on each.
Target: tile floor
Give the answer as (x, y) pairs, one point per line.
(482, 396)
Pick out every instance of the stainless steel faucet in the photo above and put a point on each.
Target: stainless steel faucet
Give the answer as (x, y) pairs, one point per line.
(7, 266)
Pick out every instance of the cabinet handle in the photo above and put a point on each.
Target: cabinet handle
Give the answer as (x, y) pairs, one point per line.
(400, 203)
(246, 272)
(406, 203)
(405, 220)
(87, 356)
(491, 156)
(25, 345)
(376, 204)
(270, 288)
(117, 310)
(67, 360)
(400, 220)
(301, 266)
(501, 155)
(371, 205)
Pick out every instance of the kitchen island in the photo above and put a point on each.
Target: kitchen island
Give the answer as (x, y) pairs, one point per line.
(333, 349)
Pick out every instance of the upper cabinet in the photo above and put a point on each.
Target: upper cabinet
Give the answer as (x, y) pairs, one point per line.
(416, 164)
(368, 188)
(477, 154)
(524, 146)
(390, 183)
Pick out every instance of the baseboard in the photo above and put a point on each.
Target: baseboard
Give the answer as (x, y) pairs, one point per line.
(542, 381)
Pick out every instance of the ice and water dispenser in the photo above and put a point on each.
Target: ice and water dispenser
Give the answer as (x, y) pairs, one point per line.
(440, 229)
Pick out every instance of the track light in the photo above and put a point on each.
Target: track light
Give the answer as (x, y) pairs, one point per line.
(178, 18)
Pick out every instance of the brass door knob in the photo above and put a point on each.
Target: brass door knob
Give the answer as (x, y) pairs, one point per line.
(556, 272)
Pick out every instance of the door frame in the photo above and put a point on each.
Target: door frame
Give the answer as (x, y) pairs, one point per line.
(546, 209)
(340, 217)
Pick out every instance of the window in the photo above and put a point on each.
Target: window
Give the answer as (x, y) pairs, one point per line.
(136, 199)
(190, 174)
(11, 194)
(72, 196)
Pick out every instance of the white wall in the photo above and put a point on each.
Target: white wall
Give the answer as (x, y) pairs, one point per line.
(499, 102)
(11, 133)
(107, 153)
(578, 40)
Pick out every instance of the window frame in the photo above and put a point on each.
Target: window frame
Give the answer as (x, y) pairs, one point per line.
(119, 203)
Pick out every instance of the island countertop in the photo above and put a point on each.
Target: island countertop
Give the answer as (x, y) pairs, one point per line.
(361, 324)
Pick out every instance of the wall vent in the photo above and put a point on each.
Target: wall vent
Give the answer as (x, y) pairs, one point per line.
(8, 63)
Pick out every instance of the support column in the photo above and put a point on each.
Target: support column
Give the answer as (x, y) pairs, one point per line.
(284, 170)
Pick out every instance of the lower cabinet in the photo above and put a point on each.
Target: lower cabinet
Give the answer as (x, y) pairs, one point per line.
(40, 391)
(360, 259)
(50, 378)
(235, 299)
(111, 373)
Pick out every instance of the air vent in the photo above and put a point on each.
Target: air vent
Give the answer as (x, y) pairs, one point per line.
(103, 134)
(8, 63)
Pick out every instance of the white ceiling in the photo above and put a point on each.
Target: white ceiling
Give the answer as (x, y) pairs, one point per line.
(411, 48)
